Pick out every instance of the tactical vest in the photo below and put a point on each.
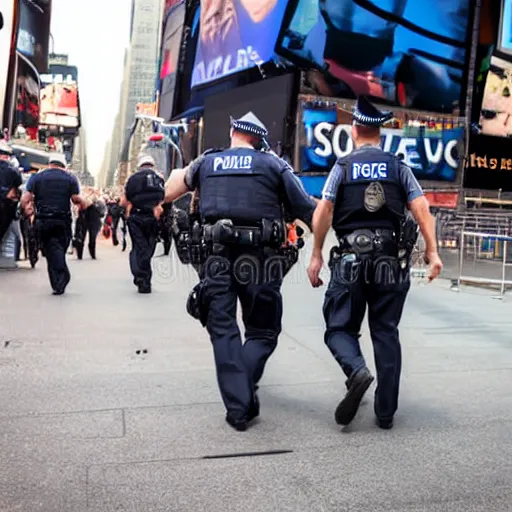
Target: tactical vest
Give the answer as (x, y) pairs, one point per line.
(148, 189)
(370, 195)
(53, 193)
(240, 184)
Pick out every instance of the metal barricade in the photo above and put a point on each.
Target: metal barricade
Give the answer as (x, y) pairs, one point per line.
(471, 237)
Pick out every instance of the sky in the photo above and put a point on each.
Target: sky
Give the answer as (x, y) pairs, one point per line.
(95, 34)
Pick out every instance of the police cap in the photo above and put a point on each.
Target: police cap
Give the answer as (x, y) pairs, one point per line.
(366, 114)
(145, 160)
(57, 159)
(250, 125)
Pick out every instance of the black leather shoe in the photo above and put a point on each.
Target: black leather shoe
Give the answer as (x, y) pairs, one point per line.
(384, 424)
(348, 407)
(239, 424)
(144, 288)
(254, 411)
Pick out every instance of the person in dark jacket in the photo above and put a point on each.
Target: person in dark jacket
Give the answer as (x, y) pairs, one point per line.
(10, 181)
(50, 192)
(144, 193)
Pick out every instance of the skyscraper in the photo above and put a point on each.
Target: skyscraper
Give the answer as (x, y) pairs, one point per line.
(141, 64)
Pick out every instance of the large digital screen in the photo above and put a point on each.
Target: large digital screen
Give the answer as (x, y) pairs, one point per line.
(34, 31)
(174, 18)
(410, 53)
(235, 35)
(489, 163)
(59, 105)
(505, 37)
(270, 100)
(496, 111)
(432, 154)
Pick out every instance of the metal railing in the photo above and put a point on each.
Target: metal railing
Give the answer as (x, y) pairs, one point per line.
(476, 249)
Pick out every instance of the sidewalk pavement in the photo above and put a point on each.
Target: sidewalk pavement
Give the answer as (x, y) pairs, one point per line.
(109, 402)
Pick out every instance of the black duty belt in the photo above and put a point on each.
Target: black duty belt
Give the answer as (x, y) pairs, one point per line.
(143, 211)
(53, 215)
(365, 241)
(271, 233)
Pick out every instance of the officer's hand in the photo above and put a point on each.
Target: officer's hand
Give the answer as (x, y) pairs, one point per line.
(436, 265)
(157, 211)
(315, 266)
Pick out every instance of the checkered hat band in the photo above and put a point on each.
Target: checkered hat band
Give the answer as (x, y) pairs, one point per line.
(249, 128)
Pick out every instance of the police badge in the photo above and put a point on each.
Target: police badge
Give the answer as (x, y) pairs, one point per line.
(374, 197)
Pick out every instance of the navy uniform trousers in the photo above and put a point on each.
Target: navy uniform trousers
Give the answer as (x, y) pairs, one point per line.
(240, 365)
(382, 286)
(143, 228)
(54, 236)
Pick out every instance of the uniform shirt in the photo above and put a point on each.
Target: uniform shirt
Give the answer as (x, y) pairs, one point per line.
(297, 203)
(52, 189)
(336, 178)
(145, 189)
(10, 177)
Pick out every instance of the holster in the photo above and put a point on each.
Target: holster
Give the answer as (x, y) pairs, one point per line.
(370, 242)
(409, 233)
(196, 304)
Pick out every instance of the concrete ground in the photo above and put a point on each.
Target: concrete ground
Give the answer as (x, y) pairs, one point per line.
(109, 403)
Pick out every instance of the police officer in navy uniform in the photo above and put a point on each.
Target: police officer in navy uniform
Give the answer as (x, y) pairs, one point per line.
(242, 186)
(143, 195)
(10, 181)
(50, 192)
(365, 199)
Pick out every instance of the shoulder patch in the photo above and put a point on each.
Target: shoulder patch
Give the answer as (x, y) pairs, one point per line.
(370, 170)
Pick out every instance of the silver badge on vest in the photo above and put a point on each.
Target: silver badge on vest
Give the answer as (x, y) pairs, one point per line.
(374, 197)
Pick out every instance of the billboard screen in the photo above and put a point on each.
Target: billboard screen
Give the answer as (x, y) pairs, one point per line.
(34, 31)
(270, 100)
(489, 163)
(496, 112)
(505, 37)
(432, 154)
(410, 53)
(6, 31)
(174, 19)
(59, 99)
(235, 35)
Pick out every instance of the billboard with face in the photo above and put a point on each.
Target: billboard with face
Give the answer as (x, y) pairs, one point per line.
(411, 53)
(174, 19)
(235, 35)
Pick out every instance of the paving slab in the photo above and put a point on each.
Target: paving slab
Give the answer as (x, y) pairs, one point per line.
(108, 401)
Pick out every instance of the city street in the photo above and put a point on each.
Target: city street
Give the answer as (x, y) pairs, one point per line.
(109, 403)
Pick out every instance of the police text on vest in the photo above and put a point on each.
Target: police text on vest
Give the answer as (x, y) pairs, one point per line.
(230, 162)
(369, 171)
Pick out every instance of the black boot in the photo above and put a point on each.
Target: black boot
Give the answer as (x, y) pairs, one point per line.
(357, 387)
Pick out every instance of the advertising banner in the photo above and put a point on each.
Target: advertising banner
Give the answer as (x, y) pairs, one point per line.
(235, 35)
(59, 105)
(148, 109)
(496, 112)
(489, 163)
(34, 31)
(174, 18)
(432, 154)
(410, 53)
(6, 31)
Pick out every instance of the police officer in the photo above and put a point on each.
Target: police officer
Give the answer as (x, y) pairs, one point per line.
(10, 181)
(144, 193)
(51, 191)
(365, 199)
(241, 187)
